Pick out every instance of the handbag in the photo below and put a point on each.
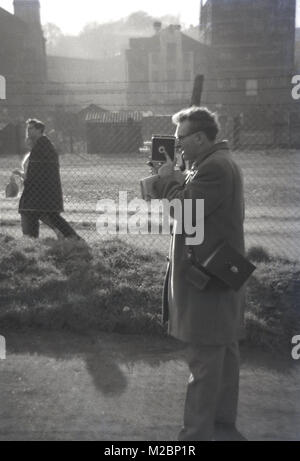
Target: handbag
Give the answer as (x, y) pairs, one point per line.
(226, 264)
(12, 189)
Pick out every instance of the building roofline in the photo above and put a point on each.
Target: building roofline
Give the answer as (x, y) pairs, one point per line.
(153, 39)
(79, 59)
(12, 17)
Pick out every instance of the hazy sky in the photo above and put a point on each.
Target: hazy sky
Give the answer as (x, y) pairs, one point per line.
(72, 15)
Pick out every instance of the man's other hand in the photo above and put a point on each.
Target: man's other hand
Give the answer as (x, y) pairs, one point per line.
(167, 169)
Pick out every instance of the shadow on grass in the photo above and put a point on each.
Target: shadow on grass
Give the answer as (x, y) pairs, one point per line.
(104, 354)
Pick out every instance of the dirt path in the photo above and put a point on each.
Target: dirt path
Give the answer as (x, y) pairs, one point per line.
(60, 386)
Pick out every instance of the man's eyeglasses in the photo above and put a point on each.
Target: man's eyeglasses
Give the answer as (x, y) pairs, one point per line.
(182, 137)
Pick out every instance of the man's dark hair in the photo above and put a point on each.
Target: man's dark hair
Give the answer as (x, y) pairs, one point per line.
(37, 124)
(201, 119)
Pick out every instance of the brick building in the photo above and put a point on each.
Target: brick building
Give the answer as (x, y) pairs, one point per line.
(252, 50)
(22, 60)
(161, 69)
(76, 83)
(38, 85)
(28, 11)
(250, 66)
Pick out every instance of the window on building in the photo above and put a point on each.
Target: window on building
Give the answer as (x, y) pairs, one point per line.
(171, 85)
(251, 87)
(220, 84)
(2, 87)
(226, 55)
(282, 82)
(171, 75)
(224, 33)
(187, 57)
(187, 75)
(171, 67)
(171, 51)
(30, 54)
(171, 80)
(155, 59)
(233, 83)
(155, 76)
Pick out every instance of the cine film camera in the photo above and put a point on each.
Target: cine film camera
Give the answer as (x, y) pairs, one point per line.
(162, 145)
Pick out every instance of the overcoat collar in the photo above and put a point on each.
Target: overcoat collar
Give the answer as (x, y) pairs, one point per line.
(223, 145)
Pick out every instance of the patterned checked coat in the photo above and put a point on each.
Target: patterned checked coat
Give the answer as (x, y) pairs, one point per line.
(42, 184)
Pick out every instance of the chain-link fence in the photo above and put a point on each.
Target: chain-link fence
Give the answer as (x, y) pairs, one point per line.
(100, 160)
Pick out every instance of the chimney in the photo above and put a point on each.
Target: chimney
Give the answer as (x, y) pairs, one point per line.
(157, 26)
(28, 11)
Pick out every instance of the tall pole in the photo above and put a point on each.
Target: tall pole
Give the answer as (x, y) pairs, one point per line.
(197, 91)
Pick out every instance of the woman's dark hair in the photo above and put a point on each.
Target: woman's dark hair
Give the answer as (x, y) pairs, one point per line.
(37, 124)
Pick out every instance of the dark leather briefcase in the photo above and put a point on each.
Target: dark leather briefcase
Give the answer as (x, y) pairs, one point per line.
(229, 265)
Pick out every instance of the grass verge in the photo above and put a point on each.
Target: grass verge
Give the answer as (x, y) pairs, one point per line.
(115, 287)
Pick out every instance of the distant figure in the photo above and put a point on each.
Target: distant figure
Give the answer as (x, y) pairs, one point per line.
(42, 198)
(237, 128)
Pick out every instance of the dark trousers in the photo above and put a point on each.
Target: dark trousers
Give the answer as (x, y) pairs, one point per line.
(213, 388)
(31, 224)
